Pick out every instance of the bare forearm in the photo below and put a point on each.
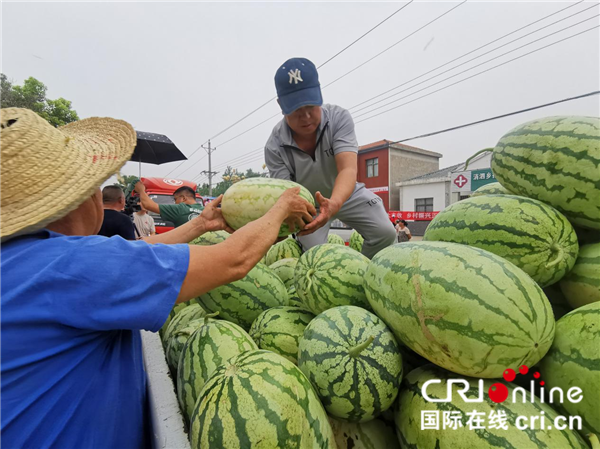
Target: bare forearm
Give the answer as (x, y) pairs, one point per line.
(183, 234)
(345, 183)
(148, 203)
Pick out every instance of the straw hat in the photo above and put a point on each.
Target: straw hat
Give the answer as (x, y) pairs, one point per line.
(48, 172)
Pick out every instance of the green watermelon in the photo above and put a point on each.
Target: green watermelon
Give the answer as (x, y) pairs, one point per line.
(182, 318)
(213, 343)
(250, 199)
(410, 420)
(375, 434)
(462, 308)
(335, 239)
(532, 235)
(555, 160)
(559, 303)
(210, 238)
(493, 188)
(331, 275)
(574, 361)
(582, 285)
(242, 301)
(284, 268)
(259, 400)
(356, 241)
(353, 360)
(176, 309)
(177, 340)
(279, 329)
(286, 249)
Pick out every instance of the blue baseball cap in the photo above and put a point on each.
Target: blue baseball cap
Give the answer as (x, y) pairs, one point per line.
(297, 84)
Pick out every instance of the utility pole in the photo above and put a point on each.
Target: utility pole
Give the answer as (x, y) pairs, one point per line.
(210, 173)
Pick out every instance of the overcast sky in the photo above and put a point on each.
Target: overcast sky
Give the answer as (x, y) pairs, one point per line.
(190, 70)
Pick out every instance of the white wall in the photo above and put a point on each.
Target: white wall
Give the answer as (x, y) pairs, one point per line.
(436, 190)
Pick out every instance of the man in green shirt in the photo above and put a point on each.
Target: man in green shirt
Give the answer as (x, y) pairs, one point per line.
(185, 208)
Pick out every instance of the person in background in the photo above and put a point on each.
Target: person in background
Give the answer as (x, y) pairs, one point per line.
(403, 232)
(185, 208)
(315, 145)
(144, 223)
(115, 221)
(72, 371)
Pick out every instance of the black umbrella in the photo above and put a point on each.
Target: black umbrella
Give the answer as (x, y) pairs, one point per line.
(155, 149)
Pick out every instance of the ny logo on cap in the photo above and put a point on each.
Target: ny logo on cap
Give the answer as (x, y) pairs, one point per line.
(295, 76)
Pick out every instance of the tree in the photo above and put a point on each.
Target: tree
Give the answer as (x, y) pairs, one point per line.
(32, 95)
(124, 180)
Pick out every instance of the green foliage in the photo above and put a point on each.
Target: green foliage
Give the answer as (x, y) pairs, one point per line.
(230, 176)
(32, 95)
(124, 180)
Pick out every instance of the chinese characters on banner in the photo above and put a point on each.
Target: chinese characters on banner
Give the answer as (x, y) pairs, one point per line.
(411, 216)
(432, 420)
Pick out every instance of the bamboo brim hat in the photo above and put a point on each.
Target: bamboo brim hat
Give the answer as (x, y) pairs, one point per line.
(48, 172)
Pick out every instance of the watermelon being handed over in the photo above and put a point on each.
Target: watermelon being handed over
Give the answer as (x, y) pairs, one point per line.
(482, 432)
(582, 285)
(331, 275)
(462, 308)
(242, 301)
(250, 199)
(353, 360)
(534, 236)
(259, 400)
(555, 160)
(574, 361)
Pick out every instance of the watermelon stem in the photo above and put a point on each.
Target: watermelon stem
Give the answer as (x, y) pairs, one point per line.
(309, 275)
(594, 440)
(356, 350)
(210, 315)
(556, 248)
(485, 150)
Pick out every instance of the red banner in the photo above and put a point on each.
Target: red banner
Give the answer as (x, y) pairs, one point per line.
(411, 216)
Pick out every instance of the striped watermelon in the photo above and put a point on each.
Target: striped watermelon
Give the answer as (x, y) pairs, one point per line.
(331, 275)
(411, 404)
(181, 320)
(176, 309)
(335, 239)
(532, 235)
(284, 268)
(294, 299)
(242, 301)
(582, 285)
(574, 361)
(177, 340)
(279, 329)
(259, 400)
(493, 188)
(356, 241)
(250, 199)
(375, 434)
(213, 343)
(555, 160)
(288, 248)
(462, 308)
(210, 238)
(353, 360)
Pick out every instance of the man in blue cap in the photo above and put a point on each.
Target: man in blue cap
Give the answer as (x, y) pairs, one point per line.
(315, 146)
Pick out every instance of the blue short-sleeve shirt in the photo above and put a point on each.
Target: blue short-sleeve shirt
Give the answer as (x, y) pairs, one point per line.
(72, 307)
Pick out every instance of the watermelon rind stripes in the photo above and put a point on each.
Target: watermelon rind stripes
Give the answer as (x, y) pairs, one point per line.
(532, 235)
(462, 308)
(182, 318)
(284, 268)
(493, 188)
(242, 301)
(555, 160)
(582, 285)
(335, 239)
(250, 199)
(259, 400)
(279, 329)
(574, 361)
(288, 248)
(331, 275)
(356, 241)
(411, 403)
(353, 360)
(210, 238)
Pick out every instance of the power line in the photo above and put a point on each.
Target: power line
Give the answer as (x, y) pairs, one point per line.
(393, 45)
(454, 128)
(477, 49)
(477, 74)
(380, 23)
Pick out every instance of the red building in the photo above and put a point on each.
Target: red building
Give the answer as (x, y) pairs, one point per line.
(382, 164)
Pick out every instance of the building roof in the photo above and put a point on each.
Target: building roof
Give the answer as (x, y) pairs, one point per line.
(383, 144)
(442, 174)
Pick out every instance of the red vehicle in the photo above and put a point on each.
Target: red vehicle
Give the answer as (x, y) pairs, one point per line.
(160, 190)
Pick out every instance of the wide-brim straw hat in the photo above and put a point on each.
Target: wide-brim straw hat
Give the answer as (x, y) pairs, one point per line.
(48, 172)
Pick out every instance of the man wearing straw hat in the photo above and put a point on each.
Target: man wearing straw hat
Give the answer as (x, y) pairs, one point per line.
(71, 371)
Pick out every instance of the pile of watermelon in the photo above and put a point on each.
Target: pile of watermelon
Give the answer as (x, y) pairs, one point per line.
(328, 349)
